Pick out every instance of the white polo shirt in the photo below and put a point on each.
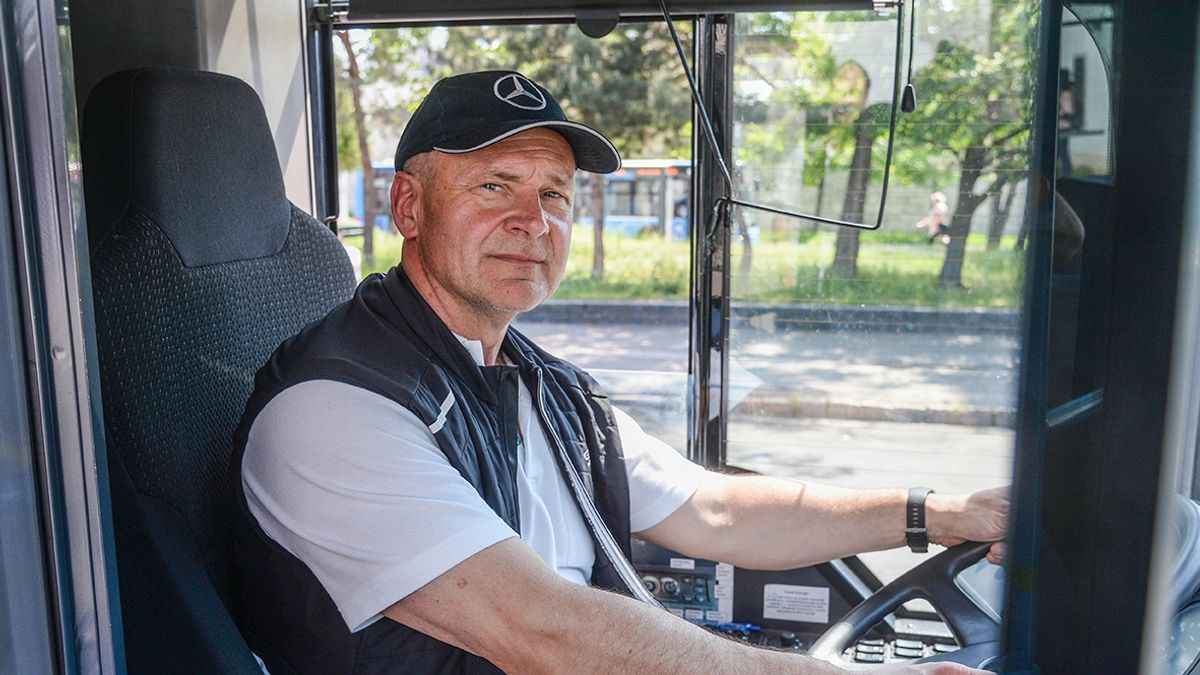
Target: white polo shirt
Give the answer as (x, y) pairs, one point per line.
(354, 485)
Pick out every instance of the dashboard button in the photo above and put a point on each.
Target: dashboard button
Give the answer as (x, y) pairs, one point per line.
(876, 642)
(868, 649)
(944, 648)
(906, 653)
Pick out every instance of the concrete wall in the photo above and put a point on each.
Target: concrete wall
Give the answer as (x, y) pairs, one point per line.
(262, 42)
(259, 41)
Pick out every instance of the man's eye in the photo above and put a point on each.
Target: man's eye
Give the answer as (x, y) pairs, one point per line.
(551, 194)
(492, 187)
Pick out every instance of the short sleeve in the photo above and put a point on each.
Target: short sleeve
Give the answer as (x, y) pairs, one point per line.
(354, 485)
(660, 479)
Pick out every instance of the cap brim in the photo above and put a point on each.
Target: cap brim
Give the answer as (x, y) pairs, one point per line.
(593, 152)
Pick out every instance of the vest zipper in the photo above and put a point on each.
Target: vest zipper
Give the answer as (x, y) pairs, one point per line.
(591, 515)
(510, 423)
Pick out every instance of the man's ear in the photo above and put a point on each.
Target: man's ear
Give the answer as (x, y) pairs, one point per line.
(406, 203)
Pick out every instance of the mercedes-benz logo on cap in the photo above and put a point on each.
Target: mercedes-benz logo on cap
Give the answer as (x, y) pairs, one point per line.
(518, 91)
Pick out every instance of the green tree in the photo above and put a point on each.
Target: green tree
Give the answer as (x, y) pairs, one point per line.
(355, 86)
(975, 105)
(866, 132)
(787, 54)
(379, 82)
(628, 85)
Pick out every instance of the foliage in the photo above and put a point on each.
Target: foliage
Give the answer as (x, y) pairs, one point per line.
(976, 107)
(798, 117)
(821, 109)
(627, 84)
(893, 270)
(395, 76)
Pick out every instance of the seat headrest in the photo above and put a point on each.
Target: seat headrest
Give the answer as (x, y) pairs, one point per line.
(193, 152)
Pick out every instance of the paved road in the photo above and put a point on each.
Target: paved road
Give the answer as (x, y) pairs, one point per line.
(883, 391)
(911, 377)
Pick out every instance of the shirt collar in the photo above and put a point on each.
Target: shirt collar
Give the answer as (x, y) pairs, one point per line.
(473, 347)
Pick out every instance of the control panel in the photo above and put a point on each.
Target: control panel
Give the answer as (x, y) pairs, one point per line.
(690, 591)
(787, 609)
(687, 587)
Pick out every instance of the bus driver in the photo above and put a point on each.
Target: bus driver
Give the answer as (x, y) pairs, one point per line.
(411, 468)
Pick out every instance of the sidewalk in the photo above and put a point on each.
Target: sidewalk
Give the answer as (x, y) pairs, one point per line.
(966, 378)
(784, 316)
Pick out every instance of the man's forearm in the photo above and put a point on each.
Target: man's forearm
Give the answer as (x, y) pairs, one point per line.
(601, 632)
(505, 605)
(763, 522)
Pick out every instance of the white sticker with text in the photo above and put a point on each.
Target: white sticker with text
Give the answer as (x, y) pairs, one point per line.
(796, 603)
(682, 564)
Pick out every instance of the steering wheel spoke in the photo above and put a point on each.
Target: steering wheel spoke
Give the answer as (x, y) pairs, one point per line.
(977, 633)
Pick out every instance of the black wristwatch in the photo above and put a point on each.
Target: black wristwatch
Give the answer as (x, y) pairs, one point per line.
(915, 533)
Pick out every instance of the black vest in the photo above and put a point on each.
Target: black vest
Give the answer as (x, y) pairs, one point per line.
(388, 340)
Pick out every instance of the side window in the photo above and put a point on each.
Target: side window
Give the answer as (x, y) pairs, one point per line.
(25, 609)
(888, 357)
(1085, 144)
(621, 311)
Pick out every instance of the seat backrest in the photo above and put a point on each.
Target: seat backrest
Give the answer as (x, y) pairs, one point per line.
(200, 268)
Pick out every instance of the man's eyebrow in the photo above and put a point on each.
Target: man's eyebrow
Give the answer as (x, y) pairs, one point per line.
(560, 181)
(504, 175)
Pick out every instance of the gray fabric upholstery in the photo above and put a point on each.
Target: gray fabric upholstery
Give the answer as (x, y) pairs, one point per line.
(179, 347)
(195, 279)
(192, 151)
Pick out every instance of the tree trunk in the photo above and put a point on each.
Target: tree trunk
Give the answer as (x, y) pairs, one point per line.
(1022, 235)
(360, 130)
(845, 254)
(960, 222)
(1001, 204)
(597, 206)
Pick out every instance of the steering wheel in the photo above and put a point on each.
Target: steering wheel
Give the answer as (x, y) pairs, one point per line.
(977, 633)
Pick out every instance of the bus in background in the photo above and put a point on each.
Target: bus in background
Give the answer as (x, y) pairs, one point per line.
(646, 196)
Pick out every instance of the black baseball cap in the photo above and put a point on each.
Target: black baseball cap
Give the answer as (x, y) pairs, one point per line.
(468, 112)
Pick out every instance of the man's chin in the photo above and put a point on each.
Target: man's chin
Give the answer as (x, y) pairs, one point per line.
(520, 299)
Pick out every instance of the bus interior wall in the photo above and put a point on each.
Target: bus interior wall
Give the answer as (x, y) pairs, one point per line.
(259, 41)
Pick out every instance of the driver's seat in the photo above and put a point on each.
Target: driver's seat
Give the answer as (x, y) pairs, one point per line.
(200, 267)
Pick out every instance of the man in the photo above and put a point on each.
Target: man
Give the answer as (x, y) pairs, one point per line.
(425, 490)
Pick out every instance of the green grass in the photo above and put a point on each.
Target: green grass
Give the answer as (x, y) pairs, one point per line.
(894, 268)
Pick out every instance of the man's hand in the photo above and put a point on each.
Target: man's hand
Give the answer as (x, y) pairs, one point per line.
(979, 516)
(760, 522)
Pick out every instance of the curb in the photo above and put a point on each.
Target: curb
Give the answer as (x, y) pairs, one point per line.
(785, 318)
(776, 405)
(817, 409)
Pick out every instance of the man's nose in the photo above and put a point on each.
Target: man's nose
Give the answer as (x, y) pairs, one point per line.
(529, 216)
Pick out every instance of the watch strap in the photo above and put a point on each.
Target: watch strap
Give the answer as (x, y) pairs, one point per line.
(915, 533)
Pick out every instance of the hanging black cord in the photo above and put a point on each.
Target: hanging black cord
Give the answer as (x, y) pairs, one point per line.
(908, 102)
(912, 29)
(705, 119)
(711, 137)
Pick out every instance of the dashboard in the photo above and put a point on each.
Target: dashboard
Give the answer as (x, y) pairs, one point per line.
(790, 609)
